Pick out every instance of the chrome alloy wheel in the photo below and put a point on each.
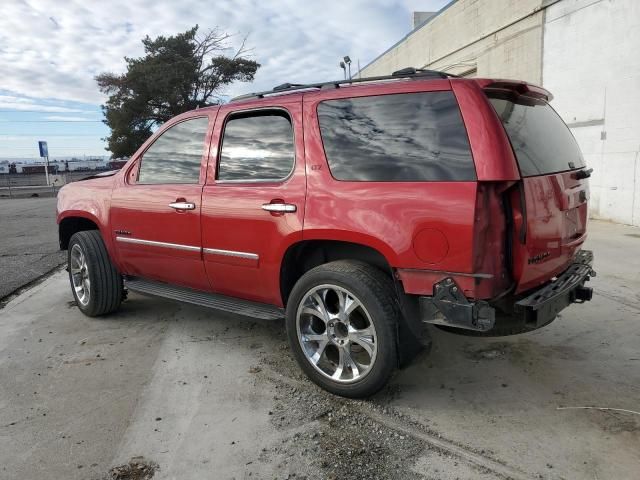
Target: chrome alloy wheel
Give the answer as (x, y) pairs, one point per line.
(80, 275)
(336, 333)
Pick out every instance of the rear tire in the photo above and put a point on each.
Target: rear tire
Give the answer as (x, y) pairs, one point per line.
(342, 320)
(95, 283)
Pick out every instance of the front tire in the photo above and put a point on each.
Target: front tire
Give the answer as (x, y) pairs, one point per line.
(342, 321)
(95, 283)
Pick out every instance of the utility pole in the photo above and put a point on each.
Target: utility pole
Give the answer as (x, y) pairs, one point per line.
(46, 168)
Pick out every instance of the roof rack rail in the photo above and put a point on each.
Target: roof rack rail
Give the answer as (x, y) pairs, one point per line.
(286, 86)
(408, 72)
(404, 72)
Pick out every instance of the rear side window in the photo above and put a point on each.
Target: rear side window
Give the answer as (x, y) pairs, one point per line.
(257, 147)
(176, 155)
(409, 137)
(543, 144)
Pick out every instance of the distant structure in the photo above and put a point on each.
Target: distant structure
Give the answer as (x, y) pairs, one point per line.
(421, 17)
(584, 51)
(117, 164)
(71, 164)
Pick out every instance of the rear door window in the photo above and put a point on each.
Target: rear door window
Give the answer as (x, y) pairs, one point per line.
(257, 147)
(409, 137)
(543, 144)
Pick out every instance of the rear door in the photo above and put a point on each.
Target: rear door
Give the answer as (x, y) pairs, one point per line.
(254, 200)
(551, 202)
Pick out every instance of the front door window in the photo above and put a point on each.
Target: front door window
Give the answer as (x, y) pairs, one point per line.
(176, 155)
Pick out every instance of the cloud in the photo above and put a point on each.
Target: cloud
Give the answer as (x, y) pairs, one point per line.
(13, 102)
(64, 118)
(51, 49)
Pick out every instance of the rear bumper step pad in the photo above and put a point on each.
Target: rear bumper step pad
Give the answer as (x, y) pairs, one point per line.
(544, 304)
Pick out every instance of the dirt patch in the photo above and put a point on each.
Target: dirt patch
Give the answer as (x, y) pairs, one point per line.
(491, 352)
(523, 351)
(330, 437)
(617, 422)
(337, 437)
(138, 468)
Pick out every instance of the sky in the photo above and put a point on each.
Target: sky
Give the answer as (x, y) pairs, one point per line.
(50, 52)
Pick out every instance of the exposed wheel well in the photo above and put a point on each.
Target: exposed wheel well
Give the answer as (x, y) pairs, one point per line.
(71, 225)
(303, 256)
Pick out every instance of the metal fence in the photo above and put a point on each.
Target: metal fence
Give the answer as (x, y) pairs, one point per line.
(34, 184)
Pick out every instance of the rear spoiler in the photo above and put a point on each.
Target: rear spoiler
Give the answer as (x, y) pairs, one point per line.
(521, 88)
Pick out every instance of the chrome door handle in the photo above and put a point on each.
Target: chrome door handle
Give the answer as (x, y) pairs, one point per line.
(279, 207)
(183, 205)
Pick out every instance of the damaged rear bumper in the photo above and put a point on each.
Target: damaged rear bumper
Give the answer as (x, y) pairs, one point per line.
(448, 306)
(544, 304)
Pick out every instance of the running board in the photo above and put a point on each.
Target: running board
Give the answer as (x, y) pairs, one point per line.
(246, 308)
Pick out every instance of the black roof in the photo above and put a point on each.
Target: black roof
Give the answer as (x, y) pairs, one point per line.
(409, 72)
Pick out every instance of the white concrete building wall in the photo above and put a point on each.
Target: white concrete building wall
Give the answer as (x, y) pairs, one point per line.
(591, 63)
(495, 37)
(586, 52)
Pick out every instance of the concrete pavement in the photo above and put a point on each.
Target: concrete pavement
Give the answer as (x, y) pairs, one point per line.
(210, 395)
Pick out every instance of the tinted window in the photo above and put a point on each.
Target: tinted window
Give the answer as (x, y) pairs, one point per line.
(404, 138)
(257, 147)
(540, 139)
(176, 155)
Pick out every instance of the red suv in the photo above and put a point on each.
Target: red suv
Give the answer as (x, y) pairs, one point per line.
(357, 209)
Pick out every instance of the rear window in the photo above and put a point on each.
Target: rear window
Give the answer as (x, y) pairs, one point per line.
(407, 137)
(543, 144)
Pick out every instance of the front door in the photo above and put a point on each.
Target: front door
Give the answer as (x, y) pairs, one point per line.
(155, 213)
(253, 202)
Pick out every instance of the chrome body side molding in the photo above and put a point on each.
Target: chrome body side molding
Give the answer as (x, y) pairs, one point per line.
(153, 243)
(190, 248)
(231, 253)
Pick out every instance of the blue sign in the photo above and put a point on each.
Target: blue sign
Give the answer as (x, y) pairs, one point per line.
(44, 150)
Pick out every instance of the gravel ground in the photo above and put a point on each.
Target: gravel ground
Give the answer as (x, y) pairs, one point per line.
(325, 436)
(353, 443)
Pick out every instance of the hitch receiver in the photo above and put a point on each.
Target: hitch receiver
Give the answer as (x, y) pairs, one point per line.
(582, 294)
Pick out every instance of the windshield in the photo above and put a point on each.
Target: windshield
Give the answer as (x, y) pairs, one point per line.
(543, 144)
